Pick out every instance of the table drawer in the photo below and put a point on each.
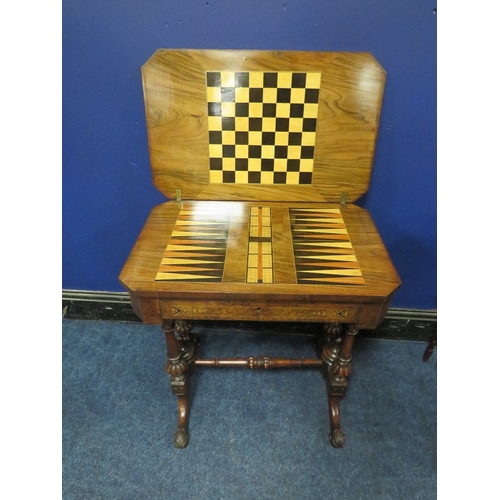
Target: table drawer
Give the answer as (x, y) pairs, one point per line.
(259, 311)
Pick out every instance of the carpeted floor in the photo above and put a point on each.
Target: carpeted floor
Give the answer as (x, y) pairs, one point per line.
(261, 434)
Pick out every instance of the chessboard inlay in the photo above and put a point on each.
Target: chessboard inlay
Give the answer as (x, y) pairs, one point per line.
(262, 126)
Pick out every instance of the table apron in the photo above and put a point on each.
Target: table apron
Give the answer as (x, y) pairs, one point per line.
(259, 311)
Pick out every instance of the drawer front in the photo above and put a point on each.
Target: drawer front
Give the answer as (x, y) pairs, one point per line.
(259, 311)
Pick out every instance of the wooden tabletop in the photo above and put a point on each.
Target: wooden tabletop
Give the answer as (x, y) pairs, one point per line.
(262, 125)
(260, 251)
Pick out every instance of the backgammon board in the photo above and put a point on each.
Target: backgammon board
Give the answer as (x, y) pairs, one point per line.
(261, 155)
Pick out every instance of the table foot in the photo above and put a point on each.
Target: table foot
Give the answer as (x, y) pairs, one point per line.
(181, 436)
(337, 437)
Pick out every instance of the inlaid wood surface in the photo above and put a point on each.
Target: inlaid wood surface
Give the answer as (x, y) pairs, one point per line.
(260, 246)
(197, 247)
(262, 125)
(322, 248)
(317, 298)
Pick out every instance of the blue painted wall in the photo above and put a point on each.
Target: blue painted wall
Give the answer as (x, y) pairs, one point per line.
(107, 188)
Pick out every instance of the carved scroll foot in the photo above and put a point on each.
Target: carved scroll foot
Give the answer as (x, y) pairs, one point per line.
(337, 437)
(181, 436)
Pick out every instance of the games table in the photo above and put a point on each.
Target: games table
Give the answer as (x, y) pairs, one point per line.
(261, 155)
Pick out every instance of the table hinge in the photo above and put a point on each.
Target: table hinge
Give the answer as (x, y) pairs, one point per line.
(178, 197)
(343, 199)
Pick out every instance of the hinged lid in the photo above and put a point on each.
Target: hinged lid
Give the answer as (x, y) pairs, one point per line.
(262, 125)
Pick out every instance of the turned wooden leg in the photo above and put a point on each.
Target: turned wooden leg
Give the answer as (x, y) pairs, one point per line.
(337, 355)
(180, 357)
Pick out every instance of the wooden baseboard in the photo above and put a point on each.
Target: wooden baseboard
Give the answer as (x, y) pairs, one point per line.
(399, 324)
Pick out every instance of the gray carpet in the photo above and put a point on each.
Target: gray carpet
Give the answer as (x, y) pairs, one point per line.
(261, 434)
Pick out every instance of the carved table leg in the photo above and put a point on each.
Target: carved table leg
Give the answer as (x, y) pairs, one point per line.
(337, 355)
(180, 357)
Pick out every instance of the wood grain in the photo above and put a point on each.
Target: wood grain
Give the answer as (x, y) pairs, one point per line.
(175, 95)
(380, 277)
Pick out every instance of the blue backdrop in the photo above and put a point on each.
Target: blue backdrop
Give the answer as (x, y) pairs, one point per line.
(107, 187)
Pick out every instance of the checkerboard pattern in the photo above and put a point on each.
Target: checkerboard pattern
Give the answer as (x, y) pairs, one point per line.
(262, 126)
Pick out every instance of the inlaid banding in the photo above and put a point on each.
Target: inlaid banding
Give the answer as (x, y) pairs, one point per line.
(260, 251)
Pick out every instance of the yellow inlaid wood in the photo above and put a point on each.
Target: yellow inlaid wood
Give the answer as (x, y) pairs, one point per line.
(241, 177)
(339, 244)
(313, 80)
(319, 211)
(228, 164)
(242, 94)
(181, 222)
(339, 272)
(170, 260)
(253, 260)
(267, 261)
(214, 123)
(260, 257)
(255, 110)
(242, 124)
(332, 257)
(270, 95)
(267, 276)
(175, 248)
(298, 96)
(214, 94)
(194, 233)
(215, 177)
(228, 136)
(256, 79)
(285, 79)
(228, 109)
(320, 231)
(252, 275)
(215, 150)
(352, 280)
(227, 79)
(181, 277)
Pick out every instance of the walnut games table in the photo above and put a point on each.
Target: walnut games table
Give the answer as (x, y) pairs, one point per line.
(261, 155)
